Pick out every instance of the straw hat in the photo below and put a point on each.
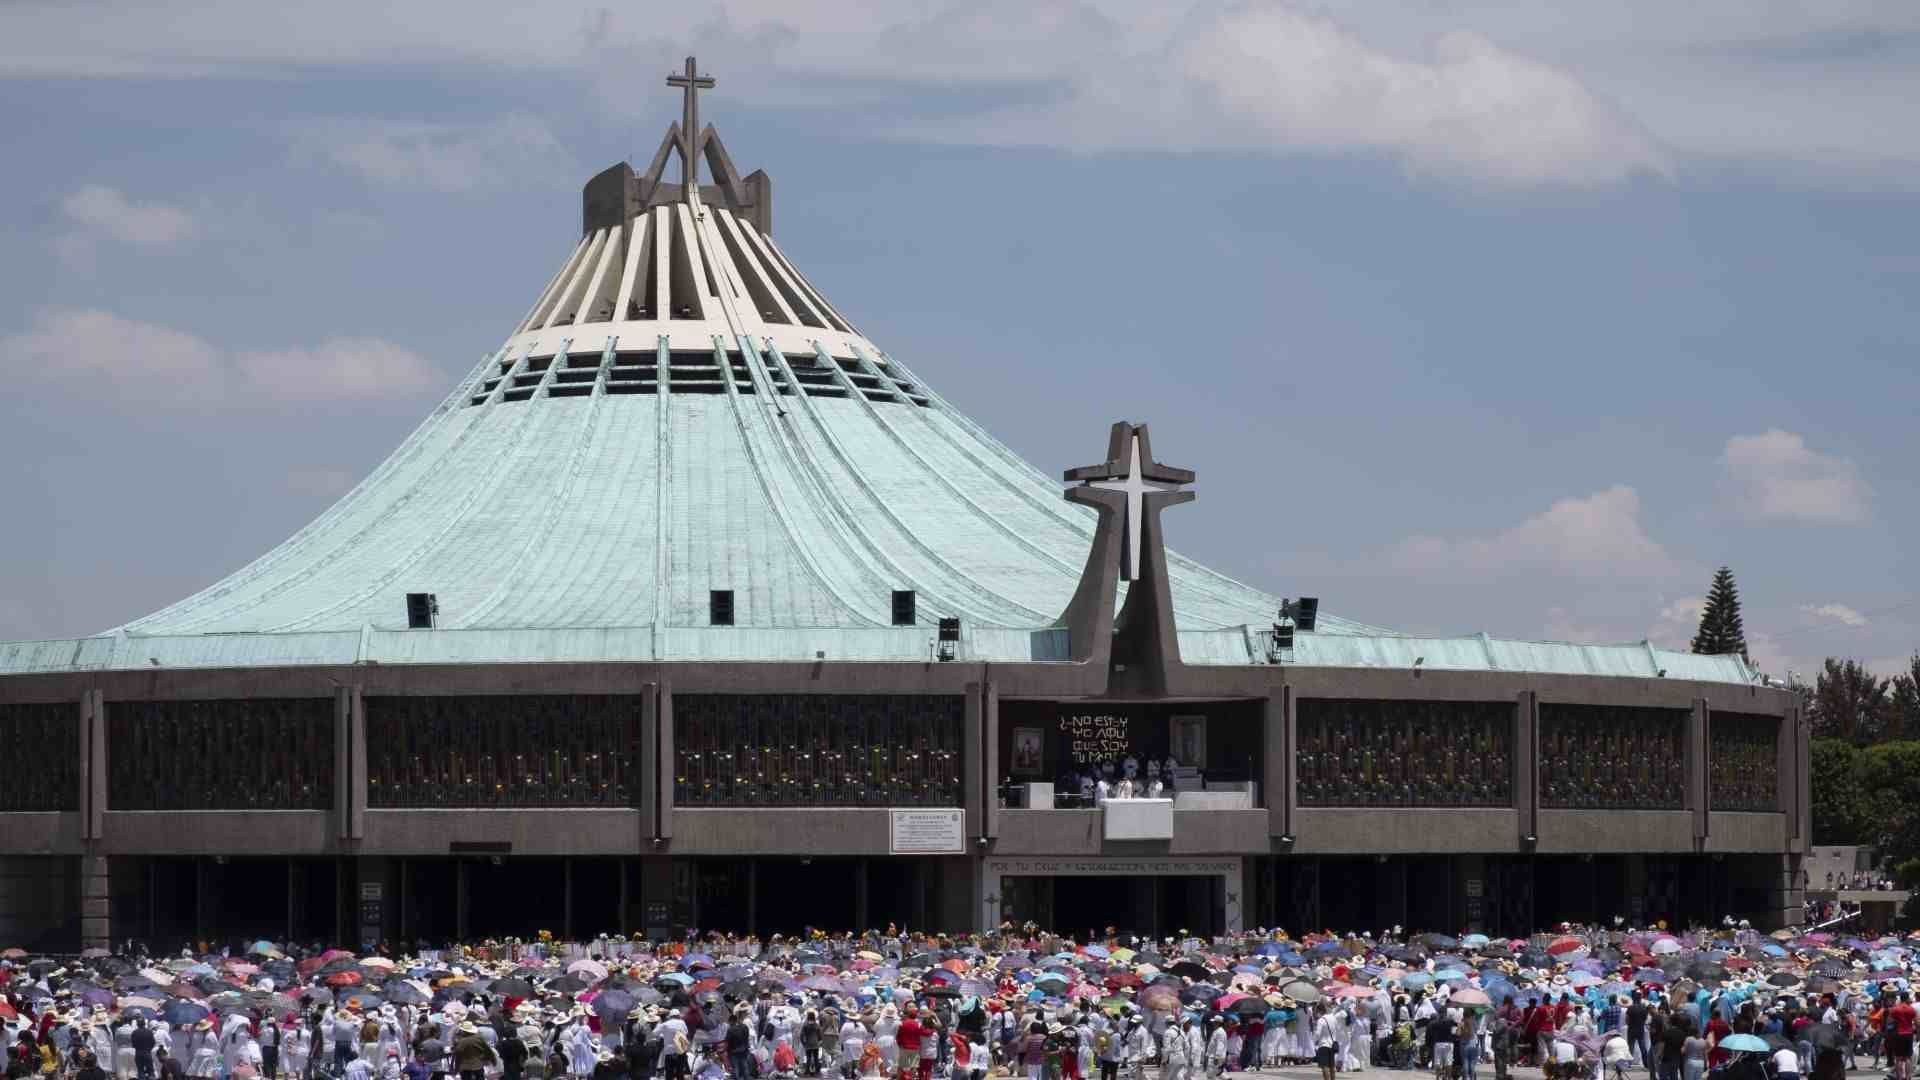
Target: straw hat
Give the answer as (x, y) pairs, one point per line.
(466, 1028)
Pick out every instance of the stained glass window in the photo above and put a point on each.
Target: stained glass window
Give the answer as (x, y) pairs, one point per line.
(251, 754)
(817, 750)
(541, 750)
(44, 741)
(1606, 757)
(1743, 767)
(1404, 753)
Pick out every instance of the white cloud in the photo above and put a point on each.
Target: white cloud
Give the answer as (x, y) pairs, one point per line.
(146, 363)
(104, 210)
(1596, 536)
(1775, 475)
(1839, 613)
(441, 157)
(1677, 622)
(337, 368)
(1273, 76)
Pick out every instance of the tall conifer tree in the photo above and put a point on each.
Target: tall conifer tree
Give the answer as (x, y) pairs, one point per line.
(1720, 630)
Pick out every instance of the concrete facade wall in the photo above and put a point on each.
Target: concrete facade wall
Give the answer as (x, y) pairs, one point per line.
(655, 826)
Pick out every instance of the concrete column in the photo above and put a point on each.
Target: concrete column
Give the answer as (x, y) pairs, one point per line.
(96, 903)
(1697, 740)
(1526, 762)
(1275, 779)
(973, 770)
(990, 760)
(663, 776)
(343, 764)
(93, 766)
(1803, 781)
(96, 886)
(357, 766)
(647, 777)
(656, 895)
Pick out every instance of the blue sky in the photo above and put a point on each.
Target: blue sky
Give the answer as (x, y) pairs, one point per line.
(1468, 317)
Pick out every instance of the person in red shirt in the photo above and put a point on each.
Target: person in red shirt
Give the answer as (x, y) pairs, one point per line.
(909, 1037)
(1899, 1021)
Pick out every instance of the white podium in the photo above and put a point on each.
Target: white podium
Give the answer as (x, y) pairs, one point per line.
(1137, 819)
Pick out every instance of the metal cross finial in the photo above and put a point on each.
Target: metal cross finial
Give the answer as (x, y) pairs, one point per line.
(692, 83)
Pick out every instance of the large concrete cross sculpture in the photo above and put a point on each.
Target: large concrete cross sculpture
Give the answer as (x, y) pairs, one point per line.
(692, 83)
(1146, 486)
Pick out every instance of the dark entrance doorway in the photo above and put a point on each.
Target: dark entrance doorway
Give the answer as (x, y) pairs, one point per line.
(791, 895)
(1153, 906)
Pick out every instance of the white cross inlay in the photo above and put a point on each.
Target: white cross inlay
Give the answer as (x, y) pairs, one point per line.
(1136, 488)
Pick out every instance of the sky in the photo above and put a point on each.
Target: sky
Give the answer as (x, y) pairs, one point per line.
(1469, 315)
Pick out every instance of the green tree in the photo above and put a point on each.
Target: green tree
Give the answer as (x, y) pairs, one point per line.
(1848, 702)
(1720, 631)
(1839, 795)
(1903, 703)
(1890, 794)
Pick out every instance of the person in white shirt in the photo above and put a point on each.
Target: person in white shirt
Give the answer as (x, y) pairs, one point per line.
(1326, 1036)
(1786, 1064)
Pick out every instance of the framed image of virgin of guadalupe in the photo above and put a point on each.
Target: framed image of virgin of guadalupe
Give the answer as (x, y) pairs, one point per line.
(1029, 752)
(1187, 740)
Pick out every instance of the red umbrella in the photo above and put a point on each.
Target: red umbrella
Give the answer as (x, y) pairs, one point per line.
(1566, 945)
(1122, 979)
(343, 978)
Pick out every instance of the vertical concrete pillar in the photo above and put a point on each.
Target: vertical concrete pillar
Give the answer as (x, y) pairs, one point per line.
(990, 760)
(973, 770)
(357, 766)
(656, 896)
(1276, 785)
(663, 777)
(646, 797)
(1526, 764)
(96, 903)
(93, 765)
(96, 887)
(1698, 734)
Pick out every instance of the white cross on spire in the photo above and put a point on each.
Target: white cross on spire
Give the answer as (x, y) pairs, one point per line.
(1136, 487)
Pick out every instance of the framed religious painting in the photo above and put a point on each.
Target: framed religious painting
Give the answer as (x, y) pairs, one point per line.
(1187, 740)
(1029, 752)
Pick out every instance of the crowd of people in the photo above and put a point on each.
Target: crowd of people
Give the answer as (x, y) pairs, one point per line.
(1580, 1003)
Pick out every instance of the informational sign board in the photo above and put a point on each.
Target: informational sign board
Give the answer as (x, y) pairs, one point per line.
(929, 832)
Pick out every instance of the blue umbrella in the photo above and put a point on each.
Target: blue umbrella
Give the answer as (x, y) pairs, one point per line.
(613, 1005)
(680, 977)
(1417, 980)
(1744, 1044)
(696, 960)
(180, 1013)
